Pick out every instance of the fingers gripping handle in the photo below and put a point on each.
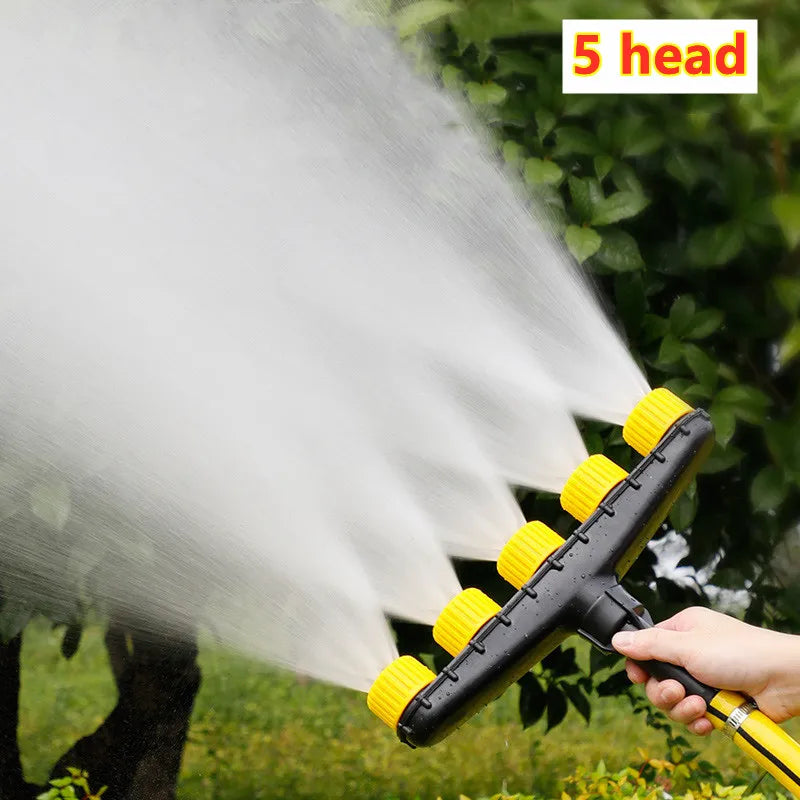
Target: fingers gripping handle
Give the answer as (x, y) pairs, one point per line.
(738, 717)
(664, 671)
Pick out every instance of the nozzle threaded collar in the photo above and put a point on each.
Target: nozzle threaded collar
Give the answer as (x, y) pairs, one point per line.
(462, 618)
(589, 484)
(396, 687)
(526, 551)
(651, 418)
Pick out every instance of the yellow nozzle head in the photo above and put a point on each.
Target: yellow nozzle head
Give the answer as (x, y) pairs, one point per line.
(651, 418)
(396, 687)
(462, 618)
(589, 484)
(526, 551)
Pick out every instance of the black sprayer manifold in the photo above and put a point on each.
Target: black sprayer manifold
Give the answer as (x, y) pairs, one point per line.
(573, 586)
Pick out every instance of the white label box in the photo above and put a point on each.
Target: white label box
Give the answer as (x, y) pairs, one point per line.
(647, 56)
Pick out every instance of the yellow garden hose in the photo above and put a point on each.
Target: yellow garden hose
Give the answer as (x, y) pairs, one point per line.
(758, 736)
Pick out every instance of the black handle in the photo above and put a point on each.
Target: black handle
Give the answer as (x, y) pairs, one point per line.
(662, 670)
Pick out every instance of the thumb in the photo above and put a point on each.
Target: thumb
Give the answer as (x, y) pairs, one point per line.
(662, 644)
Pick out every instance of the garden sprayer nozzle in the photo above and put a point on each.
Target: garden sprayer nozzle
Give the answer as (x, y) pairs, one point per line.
(651, 418)
(396, 687)
(526, 551)
(573, 586)
(564, 585)
(589, 485)
(462, 618)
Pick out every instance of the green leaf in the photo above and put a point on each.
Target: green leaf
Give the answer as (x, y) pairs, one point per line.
(586, 194)
(483, 94)
(614, 684)
(790, 345)
(574, 141)
(579, 105)
(556, 706)
(783, 443)
(787, 291)
(786, 208)
(683, 512)
(618, 206)
(594, 442)
(561, 662)
(545, 122)
(684, 169)
(703, 366)
(747, 403)
(704, 323)
(696, 393)
(678, 386)
(452, 77)
(538, 171)
(654, 327)
(630, 299)
(636, 135)
(515, 62)
(624, 177)
(532, 700)
(599, 660)
(721, 459)
(671, 350)
(582, 242)
(603, 165)
(769, 489)
(513, 152)
(724, 422)
(410, 19)
(548, 198)
(578, 700)
(681, 314)
(619, 251)
(61, 782)
(715, 245)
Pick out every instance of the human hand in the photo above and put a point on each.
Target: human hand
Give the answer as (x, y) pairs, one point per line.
(723, 652)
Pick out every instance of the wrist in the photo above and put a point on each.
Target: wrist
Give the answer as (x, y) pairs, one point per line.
(784, 681)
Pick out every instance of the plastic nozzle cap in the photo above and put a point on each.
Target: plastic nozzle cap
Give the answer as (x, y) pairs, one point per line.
(589, 484)
(396, 687)
(526, 551)
(651, 418)
(462, 618)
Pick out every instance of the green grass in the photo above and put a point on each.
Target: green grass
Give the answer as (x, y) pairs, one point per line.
(258, 733)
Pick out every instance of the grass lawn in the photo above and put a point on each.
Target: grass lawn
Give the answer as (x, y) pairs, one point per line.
(260, 733)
